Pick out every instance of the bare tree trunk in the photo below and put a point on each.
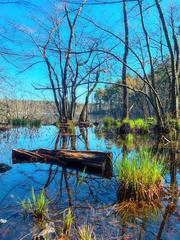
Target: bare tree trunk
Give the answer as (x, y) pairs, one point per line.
(124, 68)
(158, 109)
(174, 62)
(83, 116)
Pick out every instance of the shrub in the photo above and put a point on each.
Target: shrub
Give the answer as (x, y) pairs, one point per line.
(37, 206)
(173, 123)
(35, 123)
(86, 233)
(140, 124)
(151, 121)
(140, 177)
(130, 122)
(108, 121)
(117, 123)
(17, 122)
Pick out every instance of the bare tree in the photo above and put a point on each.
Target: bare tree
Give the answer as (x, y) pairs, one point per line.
(124, 68)
(174, 52)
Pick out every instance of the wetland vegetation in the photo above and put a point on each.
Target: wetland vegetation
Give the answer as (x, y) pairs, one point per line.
(89, 120)
(139, 198)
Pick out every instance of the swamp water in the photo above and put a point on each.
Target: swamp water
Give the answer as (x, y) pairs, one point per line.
(91, 197)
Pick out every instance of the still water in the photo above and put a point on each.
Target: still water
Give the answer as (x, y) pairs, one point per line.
(91, 197)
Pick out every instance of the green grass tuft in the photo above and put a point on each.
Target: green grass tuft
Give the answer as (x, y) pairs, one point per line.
(130, 122)
(140, 124)
(142, 174)
(37, 206)
(17, 122)
(108, 121)
(86, 233)
(68, 220)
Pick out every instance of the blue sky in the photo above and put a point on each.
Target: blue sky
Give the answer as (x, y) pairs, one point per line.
(109, 16)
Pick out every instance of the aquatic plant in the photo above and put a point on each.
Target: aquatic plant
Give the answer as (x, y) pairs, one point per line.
(129, 141)
(86, 232)
(68, 219)
(82, 177)
(151, 121)
(35, 123)
(71, 129)
(140, 124)
(141, 176)
(17, 122)
(117, 123)
(173, 123)
(108, 122)
(69, 123)
(130, 122)
(37, 206)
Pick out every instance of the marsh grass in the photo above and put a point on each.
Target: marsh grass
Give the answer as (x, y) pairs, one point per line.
(117, 123)
(130, 122)
(68, 220)
(173, 123)
(129, 141)
(86, 232)
(108, 121)
(82, 177)
(151, 121)
(141, 124)
(35, 123)
(37, 206)
(17, 122)
(111, 122)
(140, 177)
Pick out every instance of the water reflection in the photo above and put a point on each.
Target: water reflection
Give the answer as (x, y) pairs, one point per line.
(91, 197)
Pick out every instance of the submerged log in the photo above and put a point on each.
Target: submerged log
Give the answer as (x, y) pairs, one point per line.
(95, 162)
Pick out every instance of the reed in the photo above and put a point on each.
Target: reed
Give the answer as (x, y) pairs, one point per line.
(37, 206)
(140, 177)
(108, 122)
(130, 122)
(17, 122)
(141, 124)
(68, 220)
(86, 233)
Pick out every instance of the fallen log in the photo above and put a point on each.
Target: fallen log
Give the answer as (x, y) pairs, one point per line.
(95, 162)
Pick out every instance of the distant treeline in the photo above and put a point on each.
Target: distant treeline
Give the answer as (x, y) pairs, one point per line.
(26, 109)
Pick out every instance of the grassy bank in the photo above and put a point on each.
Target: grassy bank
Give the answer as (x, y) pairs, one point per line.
(140, 125)
(16, 122)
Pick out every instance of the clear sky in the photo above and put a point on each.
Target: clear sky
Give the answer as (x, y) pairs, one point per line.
(108, 16)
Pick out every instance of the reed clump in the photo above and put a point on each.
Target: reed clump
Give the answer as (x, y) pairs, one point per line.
(68, 220)
(141, 125)
(18, 122)
(111, 122)
(86, 232)
(140, 177)
(130, 122)
(37, 206)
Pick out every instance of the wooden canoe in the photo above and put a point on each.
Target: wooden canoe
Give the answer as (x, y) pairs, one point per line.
(95, 162)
